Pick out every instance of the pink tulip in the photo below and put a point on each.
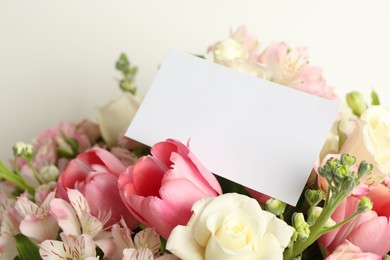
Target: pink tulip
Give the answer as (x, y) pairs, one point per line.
(347, 251)
(95, 174)
(160, 189)
(368, 231)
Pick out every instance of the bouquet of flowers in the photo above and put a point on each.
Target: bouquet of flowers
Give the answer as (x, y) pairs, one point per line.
(85, 191)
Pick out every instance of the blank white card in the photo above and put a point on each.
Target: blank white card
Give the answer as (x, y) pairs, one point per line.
(251, 131)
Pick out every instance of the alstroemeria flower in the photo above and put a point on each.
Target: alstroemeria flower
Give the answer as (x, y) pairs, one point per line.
(36, 221)
(80, 248)
(75, 219)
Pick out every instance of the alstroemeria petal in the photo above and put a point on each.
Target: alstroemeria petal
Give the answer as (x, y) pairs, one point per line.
(54, 250)
(25, 207)
(7, 247)
(137, 254)
(66, 217)
(78, 202)
(148, 238)
(39, 228)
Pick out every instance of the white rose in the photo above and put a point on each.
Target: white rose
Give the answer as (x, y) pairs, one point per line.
(230, 226)
(370, 141)
(116, 116)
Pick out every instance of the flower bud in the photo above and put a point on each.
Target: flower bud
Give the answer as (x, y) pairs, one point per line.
(300, 225)
(49, 173)
(364, 205)
(356, 102)
(313, 215)
(348, 184)
(275, 206)
(346, 159)
(24, 150)
(313, 197)
(364, 169)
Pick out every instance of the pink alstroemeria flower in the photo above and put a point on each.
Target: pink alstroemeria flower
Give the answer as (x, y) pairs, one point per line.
(95, 174)
(76, 219)
(160, 189)
(36, 221)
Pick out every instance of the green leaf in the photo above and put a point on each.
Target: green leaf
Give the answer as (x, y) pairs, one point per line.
(374, 99)
(27, 249)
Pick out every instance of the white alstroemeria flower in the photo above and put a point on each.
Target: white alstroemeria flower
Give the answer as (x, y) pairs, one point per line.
(146, 244)
(36, 221)
(80, 248)
(75, 219)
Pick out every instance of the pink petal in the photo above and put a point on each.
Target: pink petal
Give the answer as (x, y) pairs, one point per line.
(153, 212)
(181, 194)
(162, 151)
(39, 228)
(147, 176)
(113, 164)
(373, 236)
(66, 216)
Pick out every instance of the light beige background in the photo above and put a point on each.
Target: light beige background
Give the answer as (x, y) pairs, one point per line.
(57, 57)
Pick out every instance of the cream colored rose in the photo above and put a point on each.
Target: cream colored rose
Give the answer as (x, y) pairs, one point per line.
(116, 116)
(370, 141)
(230, 226)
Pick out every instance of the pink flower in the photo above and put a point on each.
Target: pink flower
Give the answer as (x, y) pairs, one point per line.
(368, 231)
(380, 196)
(347, 251)
(290, 67)
(95, 174)
(160, 189)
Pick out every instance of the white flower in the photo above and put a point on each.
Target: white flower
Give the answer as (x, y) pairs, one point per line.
(370, 141)
(230, 226)
(116, 116)
(80, 248)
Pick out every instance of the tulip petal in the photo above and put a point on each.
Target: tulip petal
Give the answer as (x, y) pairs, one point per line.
(147, 175)
(113, 164)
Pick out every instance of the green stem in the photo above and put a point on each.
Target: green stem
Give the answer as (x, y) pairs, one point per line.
(32, 167)
(345, 221)
(317, 228)
(8, 175)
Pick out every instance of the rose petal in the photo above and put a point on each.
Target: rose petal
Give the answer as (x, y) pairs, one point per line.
(181, 238)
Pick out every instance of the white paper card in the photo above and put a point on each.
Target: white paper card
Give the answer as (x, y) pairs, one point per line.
(251, 131)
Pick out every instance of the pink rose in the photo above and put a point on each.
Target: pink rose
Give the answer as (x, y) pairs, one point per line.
(347, 251)
(160, 189)
(95, 174)
(364, 226)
